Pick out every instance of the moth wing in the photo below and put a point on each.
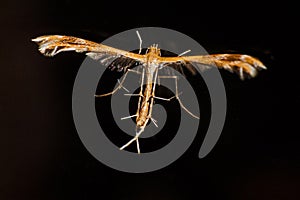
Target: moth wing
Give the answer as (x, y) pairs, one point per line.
(243, 65)
(50, 45)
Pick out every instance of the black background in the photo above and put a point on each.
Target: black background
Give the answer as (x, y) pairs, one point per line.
(42, 157)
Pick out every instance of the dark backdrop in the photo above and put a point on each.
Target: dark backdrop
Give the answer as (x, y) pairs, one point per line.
(42, 157)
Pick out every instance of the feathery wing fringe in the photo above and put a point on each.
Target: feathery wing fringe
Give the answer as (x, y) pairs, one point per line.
(51, 45)
(243, 65)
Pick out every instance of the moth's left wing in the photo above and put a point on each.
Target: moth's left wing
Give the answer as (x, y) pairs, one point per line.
(50, 45)
(243, 65)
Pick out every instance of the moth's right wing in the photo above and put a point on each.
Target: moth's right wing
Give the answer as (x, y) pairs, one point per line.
(50, 45)
(243, 65)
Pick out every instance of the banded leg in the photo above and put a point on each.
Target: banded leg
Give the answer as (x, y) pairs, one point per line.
(176, 95)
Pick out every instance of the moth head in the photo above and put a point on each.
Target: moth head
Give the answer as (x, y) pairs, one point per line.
(154, 49)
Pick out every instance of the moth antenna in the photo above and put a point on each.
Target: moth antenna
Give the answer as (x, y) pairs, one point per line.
(140, 39)
(185, 52)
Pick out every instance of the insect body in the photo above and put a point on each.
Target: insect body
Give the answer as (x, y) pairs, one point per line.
(144, 112)
(147, 96)
(151, 62)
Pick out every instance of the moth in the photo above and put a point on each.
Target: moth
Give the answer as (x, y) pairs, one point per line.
(151, 62)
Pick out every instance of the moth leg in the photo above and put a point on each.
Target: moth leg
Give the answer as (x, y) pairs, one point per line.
(137, 72)
(167, 99)
(141, 41)
(136, 138)
(177, 96)
(128, 117)
(137, 95)
(116, 89)
(134, 71)
(120, 84)
(154, 121)
(138, 145)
